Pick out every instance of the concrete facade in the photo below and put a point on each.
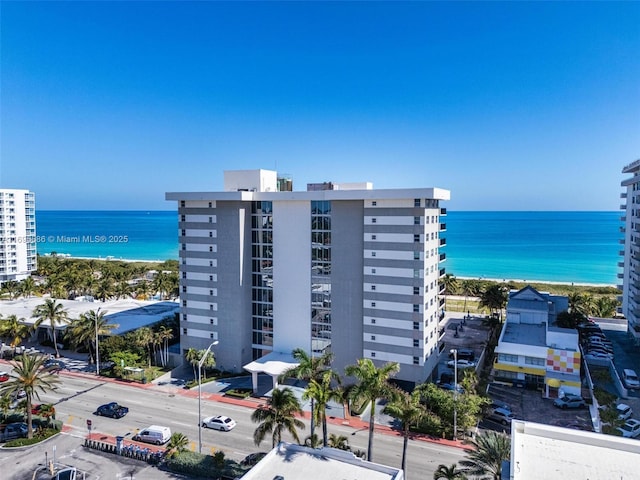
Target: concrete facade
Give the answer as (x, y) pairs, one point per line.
(17, 234)
(354, 272)
(630, 253)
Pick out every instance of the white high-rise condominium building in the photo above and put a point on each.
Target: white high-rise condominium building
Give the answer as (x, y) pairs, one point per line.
(631, 254)
(17, 234)
(338, 267)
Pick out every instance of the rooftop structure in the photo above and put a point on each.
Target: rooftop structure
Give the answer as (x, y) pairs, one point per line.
(630, 253)
(543, 451)
(340, 267)
(289, 461)
(17, 234)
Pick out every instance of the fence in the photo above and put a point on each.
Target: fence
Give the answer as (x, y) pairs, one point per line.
(130, 451)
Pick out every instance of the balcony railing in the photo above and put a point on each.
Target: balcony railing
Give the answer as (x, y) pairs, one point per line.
(443, 242)
(623, 207)
(443, 211)
(623, 195)
(443, 257)
(443, 227)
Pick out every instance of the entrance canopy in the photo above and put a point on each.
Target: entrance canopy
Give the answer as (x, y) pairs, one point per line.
(273, 364)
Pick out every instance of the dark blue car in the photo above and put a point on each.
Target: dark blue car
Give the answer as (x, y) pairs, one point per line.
(112, 410)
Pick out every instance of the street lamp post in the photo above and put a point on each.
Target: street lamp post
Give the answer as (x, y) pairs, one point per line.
(455, 392)
(97, 354)
(200, 363)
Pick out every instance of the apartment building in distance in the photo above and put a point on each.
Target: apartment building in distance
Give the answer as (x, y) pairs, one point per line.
(339, 267)
(630, 252)
(17, 234)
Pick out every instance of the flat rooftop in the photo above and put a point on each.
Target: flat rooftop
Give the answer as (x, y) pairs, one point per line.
(525, 334)
(544, 451)
(289, 461)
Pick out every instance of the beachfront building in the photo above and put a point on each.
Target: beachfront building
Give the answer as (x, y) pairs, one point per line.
(338, 267)
(17, 234)
(630, 252)
(532, 352)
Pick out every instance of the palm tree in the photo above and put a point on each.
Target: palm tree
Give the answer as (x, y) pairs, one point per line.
(27, 287)
(339, 441)
(29, 375)
(12, 288)
(55, 313)
(581, 303)
(144, 339)
(164, 334)
(13, 329)
(278, 415)
(191, 356)
(490, 450)
(408, 409)
(321, 392)
(470, 288)
(605, 307)
(448, 473)
(308, 368)
(494, 298)
(373, 384)
(450, 284)
(177, 444)
(82, 331)
(104, 289)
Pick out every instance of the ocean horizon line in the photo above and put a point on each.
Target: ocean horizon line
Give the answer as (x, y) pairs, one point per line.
(447, 208)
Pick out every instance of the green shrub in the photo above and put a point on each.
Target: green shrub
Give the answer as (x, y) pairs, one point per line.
(206, 466)
(603, 397)
(38, 436)
(238, 392)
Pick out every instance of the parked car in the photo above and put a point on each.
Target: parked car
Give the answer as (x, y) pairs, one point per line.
(630, 429)
(500, 415)
(495, 404)
(624, 411)
(155, 434)
(113, 410)
(219, 422)
(461, 364)
(569, 401)
(12, 431)
(630, 378)
(4, 376)
(54, 365)
(463, 354)
(66, 474)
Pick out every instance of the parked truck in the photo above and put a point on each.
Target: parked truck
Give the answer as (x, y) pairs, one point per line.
(12, 431)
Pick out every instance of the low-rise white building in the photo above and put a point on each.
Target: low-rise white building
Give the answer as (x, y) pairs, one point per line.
(532, 351)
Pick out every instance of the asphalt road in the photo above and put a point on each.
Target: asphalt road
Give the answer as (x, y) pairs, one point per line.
(77, 399)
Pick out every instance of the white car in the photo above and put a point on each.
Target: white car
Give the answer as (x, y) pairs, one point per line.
(624, 411)
(630, 429)
(461, 364)
(219, 422)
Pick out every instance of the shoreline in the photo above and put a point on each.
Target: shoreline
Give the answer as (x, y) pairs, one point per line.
(548, 282)
(108, 258)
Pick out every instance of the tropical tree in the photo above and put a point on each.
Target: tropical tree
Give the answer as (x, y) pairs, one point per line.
(13, 329)
(490, 449)
(373, 384)
(12, 288)
(191, 356)
(309, 367)
(339, 441)
(277, 416)
(494, 298)
(321, 392)
(313, 441)
(143, 338)
(163, 335)
(29, 375)
(82, 331)
(406, 408)
(451, 286)
(605, 307)
(55, 313)
(582, 303)
(470, 288)
(27, 287)
(47, 411)
(178, 443)
(448, 473)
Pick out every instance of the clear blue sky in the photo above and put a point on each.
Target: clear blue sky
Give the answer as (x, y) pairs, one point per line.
(511, 106)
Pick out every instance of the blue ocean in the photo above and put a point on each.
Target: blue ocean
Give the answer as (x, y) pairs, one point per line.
(580, 247)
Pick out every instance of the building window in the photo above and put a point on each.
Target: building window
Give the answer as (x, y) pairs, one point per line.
(416, 238)
(373, 354)
(211, 307)
(374, 220)
(534, 361)
(373, 237)
(183, 218)
(374, 203)
(210, 204)
(210, 234)
(416, 342)
(210, 219)
(373, 321)
(373, 338)
(373, 304)
(416, 326)
(416, 290)
(373, 271)
(211, 248)
(211, 336)
(416, 273)
(416, 361)
(184, 331)
(211, 278)
(416, 308)
(184, 275)
(416, 220)
(211, 292)
(184, 246)
(373, 254)
(211, 321)
(211, 263)
(373, 287)
(416, 255)
(505, 357)
(184, 289)
(184, 303)
(182, 204)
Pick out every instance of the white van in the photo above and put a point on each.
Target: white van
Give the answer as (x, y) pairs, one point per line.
(155, 434)
(630, 378)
